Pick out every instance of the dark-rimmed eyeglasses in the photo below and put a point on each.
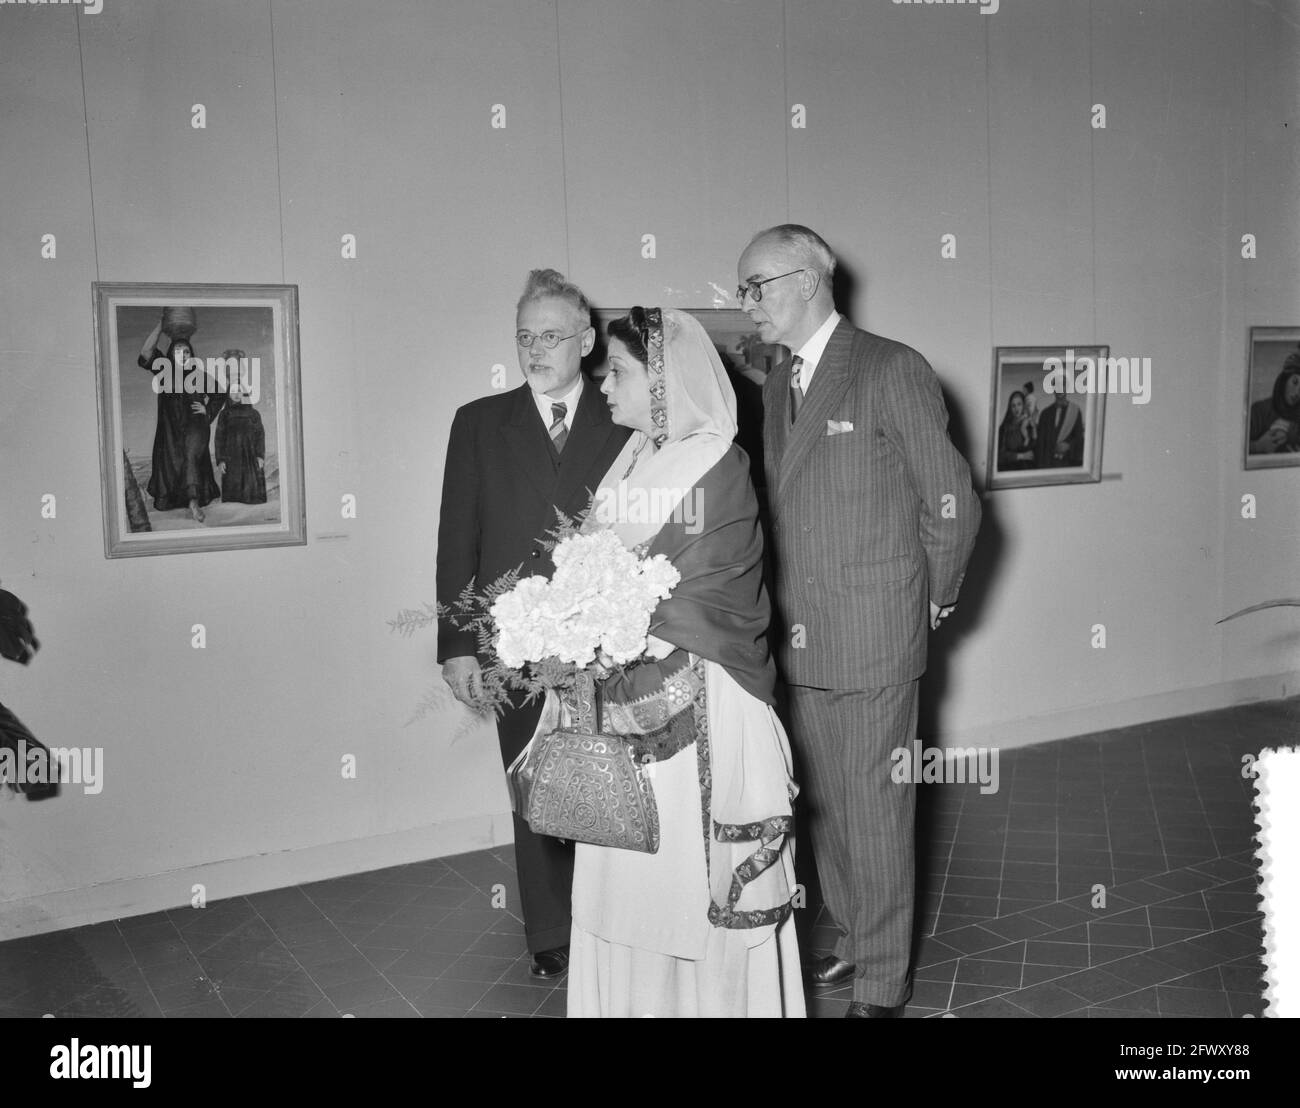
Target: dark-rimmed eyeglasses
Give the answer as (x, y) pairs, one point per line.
(755, 288)
(550, 339)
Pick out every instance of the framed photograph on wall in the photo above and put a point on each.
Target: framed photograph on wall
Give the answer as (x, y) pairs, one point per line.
(1046, 416)
(1273, 398)
(200, 417)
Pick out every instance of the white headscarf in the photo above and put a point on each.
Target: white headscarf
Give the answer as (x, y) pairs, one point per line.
(693, 409)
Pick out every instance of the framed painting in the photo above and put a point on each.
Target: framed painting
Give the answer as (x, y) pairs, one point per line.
(1273, 398)
(200, 417)
(1046, 415)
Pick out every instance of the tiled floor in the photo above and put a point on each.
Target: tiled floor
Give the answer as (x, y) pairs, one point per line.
(1158, 815)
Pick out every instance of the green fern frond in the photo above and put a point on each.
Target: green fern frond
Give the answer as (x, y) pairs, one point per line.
(410, 620)
(566, 526)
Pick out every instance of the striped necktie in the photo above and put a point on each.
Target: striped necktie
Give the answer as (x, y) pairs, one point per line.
(796, 386)
(559, 433)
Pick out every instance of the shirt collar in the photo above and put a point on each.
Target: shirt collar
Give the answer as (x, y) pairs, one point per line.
(569, 400)
(811, 351)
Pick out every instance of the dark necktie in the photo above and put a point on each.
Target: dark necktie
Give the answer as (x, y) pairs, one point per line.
(796, 387)
(559, 433)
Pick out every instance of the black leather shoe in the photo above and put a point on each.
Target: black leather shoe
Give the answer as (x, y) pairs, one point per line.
(550, 963)
(829, 971)
(859, 1010)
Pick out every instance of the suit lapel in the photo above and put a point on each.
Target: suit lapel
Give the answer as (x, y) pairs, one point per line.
(526, 437)
(830, 381)
(591, 430)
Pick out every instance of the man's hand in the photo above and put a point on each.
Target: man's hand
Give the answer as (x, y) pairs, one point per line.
(464, 676)
(938, 615)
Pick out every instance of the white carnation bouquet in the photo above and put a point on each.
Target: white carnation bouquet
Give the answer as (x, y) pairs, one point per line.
(596, 607)
(537, 633)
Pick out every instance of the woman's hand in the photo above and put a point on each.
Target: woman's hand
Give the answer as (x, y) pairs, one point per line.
(1271, 440)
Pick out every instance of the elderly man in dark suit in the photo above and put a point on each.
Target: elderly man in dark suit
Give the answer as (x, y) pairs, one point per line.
(874, 519)
(512, 459)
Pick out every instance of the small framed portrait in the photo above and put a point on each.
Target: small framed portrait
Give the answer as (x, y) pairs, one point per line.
(1273, 398)
(1047, 415)
(200, 417)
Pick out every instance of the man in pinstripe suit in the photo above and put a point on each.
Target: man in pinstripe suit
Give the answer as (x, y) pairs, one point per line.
(874, 519)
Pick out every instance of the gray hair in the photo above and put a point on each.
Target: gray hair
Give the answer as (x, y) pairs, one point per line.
(803, 244)
(546, 284)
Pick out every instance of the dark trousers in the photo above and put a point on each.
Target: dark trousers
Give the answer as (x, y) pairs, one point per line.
(543, 865)
(863, 825)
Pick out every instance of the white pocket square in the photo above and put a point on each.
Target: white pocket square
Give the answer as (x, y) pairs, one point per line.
(836, 427)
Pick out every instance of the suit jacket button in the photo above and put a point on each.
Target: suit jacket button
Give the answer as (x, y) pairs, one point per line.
(807, 527)
(810, 580)
(537, 553)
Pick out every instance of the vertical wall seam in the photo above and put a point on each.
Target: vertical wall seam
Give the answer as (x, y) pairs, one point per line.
(1092, 171)
(988, 176)
(275, 104)
(85, 115)
(785, 93)
(564, 154)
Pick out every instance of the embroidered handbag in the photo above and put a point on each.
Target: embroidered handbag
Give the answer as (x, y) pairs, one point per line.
(576, 783)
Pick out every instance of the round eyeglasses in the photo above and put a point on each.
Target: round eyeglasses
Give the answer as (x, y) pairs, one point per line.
(550, 339)
(754, 289)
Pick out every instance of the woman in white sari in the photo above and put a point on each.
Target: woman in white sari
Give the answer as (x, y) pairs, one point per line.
(702, 927)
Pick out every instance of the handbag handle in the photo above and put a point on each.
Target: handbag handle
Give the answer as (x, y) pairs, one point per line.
(586, 703)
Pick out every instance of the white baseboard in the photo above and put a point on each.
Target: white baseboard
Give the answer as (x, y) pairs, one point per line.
(1009, 734)
(134, 896)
